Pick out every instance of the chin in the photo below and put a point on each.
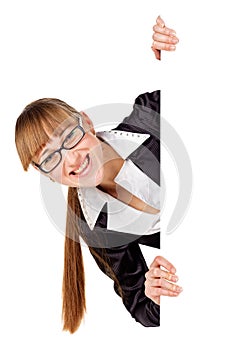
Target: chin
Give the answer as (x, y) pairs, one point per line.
(92, 181)
(67, 182)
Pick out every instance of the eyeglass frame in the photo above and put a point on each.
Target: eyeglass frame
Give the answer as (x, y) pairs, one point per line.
(79, 126)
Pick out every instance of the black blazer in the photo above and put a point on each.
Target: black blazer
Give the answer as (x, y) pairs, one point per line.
(122, 249)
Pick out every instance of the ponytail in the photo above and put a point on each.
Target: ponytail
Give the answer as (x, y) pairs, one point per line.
(73, 289)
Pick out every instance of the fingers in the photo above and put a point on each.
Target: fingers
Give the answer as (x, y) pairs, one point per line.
(156, 272)
(154, 293)
(168, 293)
(164, 284)
(160, 27)
(164, 38)
(164, 42)
(160, 282)
(161, 261)
(161, 46)
(160, 22)
(164, 30)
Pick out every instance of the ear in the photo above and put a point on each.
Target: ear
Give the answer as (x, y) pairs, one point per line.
(88, 121)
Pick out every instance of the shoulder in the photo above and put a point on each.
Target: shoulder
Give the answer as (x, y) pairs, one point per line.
(145, 113)
(150, 100)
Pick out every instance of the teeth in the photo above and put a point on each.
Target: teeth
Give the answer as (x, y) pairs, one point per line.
(82, 166)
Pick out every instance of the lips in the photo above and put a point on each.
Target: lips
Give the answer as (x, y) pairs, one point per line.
(83, 166)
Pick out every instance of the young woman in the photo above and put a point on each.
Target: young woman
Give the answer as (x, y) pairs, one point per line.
(113, 180)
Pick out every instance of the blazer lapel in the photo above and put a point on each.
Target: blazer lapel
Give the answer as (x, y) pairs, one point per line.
(147, 155)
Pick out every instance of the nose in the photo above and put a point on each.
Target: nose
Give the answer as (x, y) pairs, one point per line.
(71, 158)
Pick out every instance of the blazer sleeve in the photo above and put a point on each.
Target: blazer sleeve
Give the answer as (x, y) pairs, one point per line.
(146, 113)
(129, 267)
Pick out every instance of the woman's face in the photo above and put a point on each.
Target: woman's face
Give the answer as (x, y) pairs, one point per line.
(81, 166)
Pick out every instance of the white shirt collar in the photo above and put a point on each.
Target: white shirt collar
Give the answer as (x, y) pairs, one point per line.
(92, 199)
(123, 142)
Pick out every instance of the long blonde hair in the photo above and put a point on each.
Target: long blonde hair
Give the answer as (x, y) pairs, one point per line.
(33, 129)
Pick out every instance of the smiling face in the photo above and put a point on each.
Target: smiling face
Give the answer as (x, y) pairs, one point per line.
(80, 166)
(50, 125)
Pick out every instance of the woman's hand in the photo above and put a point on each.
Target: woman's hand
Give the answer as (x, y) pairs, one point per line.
(164, 38)
(159, 281)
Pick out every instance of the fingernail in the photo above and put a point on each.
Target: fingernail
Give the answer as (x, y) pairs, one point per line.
(175, 278)
(173, 33)
(173, 270)
(176, 294)
(174, 40)
(172, 48)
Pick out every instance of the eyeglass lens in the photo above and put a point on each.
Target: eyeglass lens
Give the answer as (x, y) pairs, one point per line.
(71, 140)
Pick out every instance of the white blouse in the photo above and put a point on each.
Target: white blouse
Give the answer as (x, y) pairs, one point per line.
(122, 217)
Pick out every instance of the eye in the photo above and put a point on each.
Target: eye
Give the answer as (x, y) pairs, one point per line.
(48, 159)
(71, 135)
(72, 138)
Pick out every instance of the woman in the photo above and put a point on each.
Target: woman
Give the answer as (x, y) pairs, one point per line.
(113, 180)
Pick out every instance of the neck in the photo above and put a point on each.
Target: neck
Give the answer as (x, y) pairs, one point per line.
(112, 165)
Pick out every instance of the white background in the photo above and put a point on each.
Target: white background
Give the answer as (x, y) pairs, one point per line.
(90, 53)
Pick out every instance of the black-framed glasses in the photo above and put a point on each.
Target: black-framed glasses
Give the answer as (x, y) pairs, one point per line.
(71, 140)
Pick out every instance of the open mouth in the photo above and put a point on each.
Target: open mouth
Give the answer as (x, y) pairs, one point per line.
(83, 167)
